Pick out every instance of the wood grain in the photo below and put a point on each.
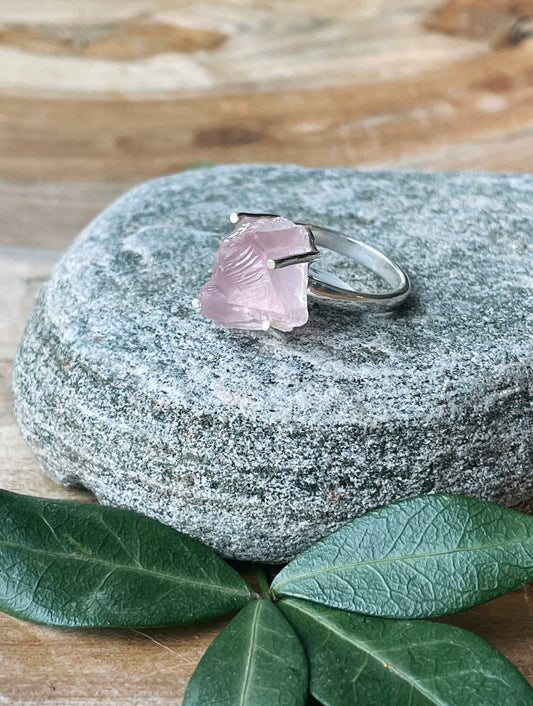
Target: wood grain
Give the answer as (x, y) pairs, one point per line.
(342, 84)
(499, 21)
(152, 666)
(72, 48)
(459, 106)
(47, 216)
(133, 39)
(46, 665)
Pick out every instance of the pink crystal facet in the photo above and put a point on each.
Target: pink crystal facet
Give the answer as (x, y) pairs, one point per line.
(242, 292)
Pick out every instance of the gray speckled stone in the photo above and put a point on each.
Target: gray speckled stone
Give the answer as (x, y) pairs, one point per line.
(259, 446)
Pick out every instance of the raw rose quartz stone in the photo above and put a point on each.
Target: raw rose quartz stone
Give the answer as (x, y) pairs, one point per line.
(242, 292)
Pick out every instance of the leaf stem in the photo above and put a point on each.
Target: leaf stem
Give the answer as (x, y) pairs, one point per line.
(262, 580)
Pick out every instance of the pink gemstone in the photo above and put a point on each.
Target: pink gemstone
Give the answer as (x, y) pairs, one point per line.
(242, 292)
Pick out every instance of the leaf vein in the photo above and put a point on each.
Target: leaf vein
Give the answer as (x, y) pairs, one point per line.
(126, 567)
(388, 559)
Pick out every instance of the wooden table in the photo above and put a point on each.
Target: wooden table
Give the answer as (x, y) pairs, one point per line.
(90, 105)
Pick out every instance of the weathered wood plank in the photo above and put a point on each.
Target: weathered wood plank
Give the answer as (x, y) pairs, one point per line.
(60, 666)
(500, 21)
(463, 104)
(85, 93)
(150, 47)
(48, 216)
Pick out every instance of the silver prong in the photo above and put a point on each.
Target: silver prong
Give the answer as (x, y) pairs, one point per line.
(196, 303)
(265, 325)
(239, 214)
(300, 259)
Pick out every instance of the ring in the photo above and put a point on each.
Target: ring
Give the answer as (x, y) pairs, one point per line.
(264, 272)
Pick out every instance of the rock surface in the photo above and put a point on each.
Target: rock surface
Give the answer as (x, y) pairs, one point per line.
(259, 446)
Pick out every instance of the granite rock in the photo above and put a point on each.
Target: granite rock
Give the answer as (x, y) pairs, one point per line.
(259, 446)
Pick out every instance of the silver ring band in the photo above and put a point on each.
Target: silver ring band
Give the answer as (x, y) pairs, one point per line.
(326, 287)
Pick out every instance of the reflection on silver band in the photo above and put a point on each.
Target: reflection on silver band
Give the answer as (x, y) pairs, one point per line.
(324, 286)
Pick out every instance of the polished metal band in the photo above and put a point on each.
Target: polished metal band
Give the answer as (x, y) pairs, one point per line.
(324, 286)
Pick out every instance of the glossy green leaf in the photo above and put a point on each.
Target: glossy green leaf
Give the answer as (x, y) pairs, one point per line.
(257, 660)
(358, 659)
(421, 557)
(67, 563)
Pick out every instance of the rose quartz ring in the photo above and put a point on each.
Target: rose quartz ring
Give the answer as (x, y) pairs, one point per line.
(262, 276)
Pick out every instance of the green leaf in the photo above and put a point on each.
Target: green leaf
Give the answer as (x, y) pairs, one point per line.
(67, 563)
(421, 557)
(257, 660)
(357, 659)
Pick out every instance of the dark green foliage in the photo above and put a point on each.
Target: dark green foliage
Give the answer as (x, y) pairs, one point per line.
(417, 558)
(257, 660)
(68, 563)
(358, 659)
(72, 564)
